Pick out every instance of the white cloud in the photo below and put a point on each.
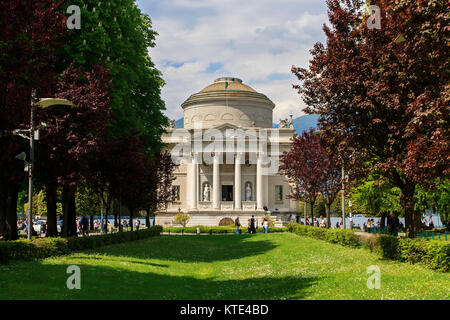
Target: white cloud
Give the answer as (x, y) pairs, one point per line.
(256, 41)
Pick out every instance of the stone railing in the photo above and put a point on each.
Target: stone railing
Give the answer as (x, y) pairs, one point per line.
(249, 205)
(226, 205)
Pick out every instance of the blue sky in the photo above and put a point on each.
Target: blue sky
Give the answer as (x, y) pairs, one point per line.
(257, 41)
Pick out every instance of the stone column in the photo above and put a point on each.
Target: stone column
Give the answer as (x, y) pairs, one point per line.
(197, 180)
(237, 182)
(216, 182)
(265, 183)
(189, 178)
(259, 184)
(192, 182)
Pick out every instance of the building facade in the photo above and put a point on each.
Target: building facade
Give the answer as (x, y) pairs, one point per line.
(228, 155)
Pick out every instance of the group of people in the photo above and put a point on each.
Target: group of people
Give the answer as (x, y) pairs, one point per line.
(425, 223)
(251, 225)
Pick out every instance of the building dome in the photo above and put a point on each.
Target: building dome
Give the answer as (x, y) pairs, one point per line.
(228, 100)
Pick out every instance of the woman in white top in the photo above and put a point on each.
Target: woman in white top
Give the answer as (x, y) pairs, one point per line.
(265, 226)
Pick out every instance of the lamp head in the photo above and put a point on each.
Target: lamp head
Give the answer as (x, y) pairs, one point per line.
(21, 156)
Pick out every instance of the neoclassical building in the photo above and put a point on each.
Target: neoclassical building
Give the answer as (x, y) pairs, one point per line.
(228, 153)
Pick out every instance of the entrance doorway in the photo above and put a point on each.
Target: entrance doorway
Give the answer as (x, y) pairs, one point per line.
(227, 193)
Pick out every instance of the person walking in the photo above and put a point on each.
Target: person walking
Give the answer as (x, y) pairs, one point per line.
(84, 225)
(249, 227)
(237, 224)
(265, 225)
(252, 224)
(137, 224)
(322, 222)
(392, 224)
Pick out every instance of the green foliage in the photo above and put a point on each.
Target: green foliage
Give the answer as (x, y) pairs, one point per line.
(182, 218)
(436, 199)
(372, 197)
(431, 253)
(117, 35)
(48, 247)
(87, 202)
(218, 229)
(339, 236)
(39, 204)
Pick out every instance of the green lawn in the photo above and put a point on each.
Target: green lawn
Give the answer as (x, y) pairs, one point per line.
(261, 266)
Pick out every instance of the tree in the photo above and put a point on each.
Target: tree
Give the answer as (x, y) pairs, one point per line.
(29, 38)
(375, 197)
(384, 93)
(39, 204)
(182, 218)
(162, 177)
(436, 199)
(117, 35)
(312, 171)
(69, 136)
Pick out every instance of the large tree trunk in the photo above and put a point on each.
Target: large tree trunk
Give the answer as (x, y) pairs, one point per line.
(147, 218)
(69, 212)
(50, 191)
(131, 217)
(407, 201)
(11, 193)
(91, 222)
(327, 210)
(2, 211)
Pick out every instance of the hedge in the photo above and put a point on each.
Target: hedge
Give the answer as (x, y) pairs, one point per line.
(217, 229)
(47, 247)
(434, 254)
(344, 237)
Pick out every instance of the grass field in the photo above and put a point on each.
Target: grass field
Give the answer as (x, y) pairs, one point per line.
(261, 266)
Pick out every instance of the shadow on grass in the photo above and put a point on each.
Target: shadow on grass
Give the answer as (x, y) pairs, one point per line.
(192, 248)
(47, 281)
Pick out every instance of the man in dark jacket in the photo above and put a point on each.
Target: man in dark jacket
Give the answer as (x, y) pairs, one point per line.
(392, 224)
(252, 224)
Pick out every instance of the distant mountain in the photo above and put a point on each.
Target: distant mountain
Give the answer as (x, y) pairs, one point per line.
(305, 122)
(301, 123)
(179, 124)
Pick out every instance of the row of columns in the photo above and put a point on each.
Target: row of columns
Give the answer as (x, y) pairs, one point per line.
(193, 183)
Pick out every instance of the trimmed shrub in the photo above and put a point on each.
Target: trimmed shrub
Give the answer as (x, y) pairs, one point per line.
(386, 246)
(217, 230)
(343, 237)
(47, 247)
(432, 253)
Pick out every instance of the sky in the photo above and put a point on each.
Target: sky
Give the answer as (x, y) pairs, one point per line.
(257, 41)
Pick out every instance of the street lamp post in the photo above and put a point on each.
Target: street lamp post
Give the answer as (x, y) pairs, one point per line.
(30, 167)
(43, 103)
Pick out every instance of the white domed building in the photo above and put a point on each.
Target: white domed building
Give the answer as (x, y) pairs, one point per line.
(228, 153)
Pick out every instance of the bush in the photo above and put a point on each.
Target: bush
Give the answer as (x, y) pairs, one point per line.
(47, 247)
(215, 230)
(182, 218)
(432, 253)
(386, 246)
(339, 236)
